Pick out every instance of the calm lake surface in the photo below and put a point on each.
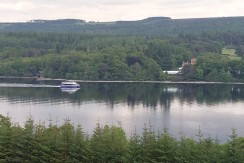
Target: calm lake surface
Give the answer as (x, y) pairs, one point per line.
(215, 108)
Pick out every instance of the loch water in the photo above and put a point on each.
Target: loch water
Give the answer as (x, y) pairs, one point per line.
(181, 108)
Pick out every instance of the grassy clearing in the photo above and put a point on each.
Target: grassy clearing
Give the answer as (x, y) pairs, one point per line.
(230, 53)
(227, 51)
(234, 57)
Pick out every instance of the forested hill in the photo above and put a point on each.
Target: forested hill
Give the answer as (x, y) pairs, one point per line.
(151, 26)
(125, 50)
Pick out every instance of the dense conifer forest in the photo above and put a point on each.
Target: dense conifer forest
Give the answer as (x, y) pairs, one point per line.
(124, 50)
(68, 143)
(122, 57)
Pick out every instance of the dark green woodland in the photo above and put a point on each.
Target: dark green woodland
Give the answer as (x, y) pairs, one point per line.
(136, 50)
(49, 142)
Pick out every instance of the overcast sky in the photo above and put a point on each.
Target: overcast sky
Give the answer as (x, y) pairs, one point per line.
(111, 10)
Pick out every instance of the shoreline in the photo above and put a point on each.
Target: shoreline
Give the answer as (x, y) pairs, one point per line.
(123, 81)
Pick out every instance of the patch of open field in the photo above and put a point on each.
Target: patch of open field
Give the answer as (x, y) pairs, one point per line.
(230, 53)
(227, 51)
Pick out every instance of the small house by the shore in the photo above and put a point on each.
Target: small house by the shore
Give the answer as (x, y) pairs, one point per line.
(192, 62)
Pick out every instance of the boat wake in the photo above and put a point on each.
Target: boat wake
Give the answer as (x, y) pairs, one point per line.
(28, 85)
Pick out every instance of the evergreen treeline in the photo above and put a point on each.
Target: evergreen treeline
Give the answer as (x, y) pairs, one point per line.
(109, 57)
(68, 143)
(163, 26)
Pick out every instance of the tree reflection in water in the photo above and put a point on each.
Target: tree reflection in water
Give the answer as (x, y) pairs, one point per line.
(151, 96)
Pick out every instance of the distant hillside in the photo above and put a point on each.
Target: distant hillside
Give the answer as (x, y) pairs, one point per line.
(150, 26)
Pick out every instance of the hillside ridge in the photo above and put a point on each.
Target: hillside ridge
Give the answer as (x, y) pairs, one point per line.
(163, 26)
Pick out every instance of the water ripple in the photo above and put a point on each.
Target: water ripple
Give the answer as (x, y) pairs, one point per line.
(19, 85)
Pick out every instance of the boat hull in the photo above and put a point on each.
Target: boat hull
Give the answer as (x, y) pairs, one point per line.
(69, 86)
(69, 90)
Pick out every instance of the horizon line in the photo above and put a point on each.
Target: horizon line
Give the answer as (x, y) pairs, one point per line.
(87, 21)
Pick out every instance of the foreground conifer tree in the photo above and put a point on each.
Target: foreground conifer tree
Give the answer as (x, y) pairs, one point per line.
(37, 143)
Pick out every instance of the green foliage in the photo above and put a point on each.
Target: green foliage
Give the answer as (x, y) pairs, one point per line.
(5, 139)
(151, 26)
(212, 67)
(108, 144)
(68, 143)
(166, 148)
(120, 57)
(235, 148)
(189, 72)
(240, 50)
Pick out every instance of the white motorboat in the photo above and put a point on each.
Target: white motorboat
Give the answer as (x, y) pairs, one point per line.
(69, 84)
